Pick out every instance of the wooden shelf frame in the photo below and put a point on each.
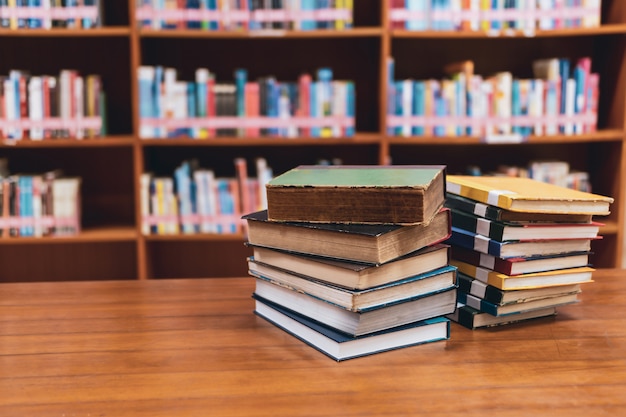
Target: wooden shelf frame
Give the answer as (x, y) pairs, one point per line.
(150, 257)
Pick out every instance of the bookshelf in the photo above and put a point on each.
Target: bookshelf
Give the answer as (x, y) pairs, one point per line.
(111, 245)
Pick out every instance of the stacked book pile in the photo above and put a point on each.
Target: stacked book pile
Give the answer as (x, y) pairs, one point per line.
(521, 246)
(349, 259)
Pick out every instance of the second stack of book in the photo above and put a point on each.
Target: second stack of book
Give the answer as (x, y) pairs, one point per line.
(521, 246)
(349, 259)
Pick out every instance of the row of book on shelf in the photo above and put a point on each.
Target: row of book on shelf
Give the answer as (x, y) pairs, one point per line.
(497, 15)
(35, 205)
(46, 107)
(562, 98)
(195, 200)
(245, 14)
(215, 15)
(371, 273)
(204, 108)
(47, 14)
(550, 171)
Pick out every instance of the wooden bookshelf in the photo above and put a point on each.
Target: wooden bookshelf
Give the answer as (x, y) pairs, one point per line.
(111, 245)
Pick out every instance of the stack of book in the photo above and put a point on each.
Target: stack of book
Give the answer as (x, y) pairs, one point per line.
(349, 258)
(521, 246)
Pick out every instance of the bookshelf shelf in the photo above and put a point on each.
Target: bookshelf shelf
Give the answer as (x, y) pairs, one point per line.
(262, 34)
(108, 141)
(109, 31)
(358, 139)
(605, 135)
(605, 29)
(199, 237)
(111, 166)
(91, 235)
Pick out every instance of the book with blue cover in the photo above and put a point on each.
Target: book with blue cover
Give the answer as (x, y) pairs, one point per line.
(496, 296)
(340, 346)
(414, 286)
(472, 319)
(485, 306)
(516, 248)
(365, 320)
(502, 231)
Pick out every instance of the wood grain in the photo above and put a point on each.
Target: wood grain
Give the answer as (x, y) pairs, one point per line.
(194, 347)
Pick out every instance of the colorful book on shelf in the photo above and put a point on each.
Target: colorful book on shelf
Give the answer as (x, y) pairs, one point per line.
(363, 321)
(517, 248)
(490, 212)
(496, 296)
(400, 194)
(357, 300)
(368, 243)
(527, 195)
(340, 346)
(472, 319)
(517, 266)
(501, 231)
(354, 275)
(526, 281)
(515, 308)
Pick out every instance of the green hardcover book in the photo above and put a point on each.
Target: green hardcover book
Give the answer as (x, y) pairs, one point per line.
(402, 194)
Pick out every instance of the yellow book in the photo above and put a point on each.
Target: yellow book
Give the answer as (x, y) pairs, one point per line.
(551, 278)
(339, 23)
(527, 195)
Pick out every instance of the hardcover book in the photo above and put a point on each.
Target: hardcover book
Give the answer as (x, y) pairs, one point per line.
(402, 194)
(526, 281)
(527, 195)
(480, 289)
(516, 248)
(354, 275)
(502, 231)
(516, 266)
(454, 201)
(471, 318)
(374, 244)
(363, 321)
(339, 346)
(516, 308)
(358, 300)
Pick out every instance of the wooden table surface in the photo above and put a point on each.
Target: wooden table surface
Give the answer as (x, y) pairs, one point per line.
(194, 348)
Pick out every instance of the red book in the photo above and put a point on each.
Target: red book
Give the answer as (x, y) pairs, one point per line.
(304, 106)
(252, 98)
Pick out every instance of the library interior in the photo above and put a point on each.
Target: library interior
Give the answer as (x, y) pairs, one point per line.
(312, 207)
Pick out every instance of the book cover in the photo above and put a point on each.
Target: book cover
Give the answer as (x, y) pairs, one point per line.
(355, 275)
(496, 296)
(526, 281)
(374, 244)
(472, 319)
(402, 194)
(362, 299)
(454, 201)
(516, 308)
(502, 231)
(516, 248)
(516, 266)
(364, 321)
(339, 346)
(527, 195)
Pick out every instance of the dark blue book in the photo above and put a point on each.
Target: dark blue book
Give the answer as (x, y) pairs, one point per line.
(340, 346)
(485, 306)
(516, 248)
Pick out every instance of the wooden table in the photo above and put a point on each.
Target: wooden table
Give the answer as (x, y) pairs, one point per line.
(194, 348)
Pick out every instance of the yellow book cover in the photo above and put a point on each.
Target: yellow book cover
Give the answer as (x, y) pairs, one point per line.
(526, 281)
(527, 195)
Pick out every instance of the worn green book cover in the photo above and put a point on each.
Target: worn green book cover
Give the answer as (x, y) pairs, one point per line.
(395, 194)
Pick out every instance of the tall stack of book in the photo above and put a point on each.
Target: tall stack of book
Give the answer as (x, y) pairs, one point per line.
(521, 246)
(349, 258)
